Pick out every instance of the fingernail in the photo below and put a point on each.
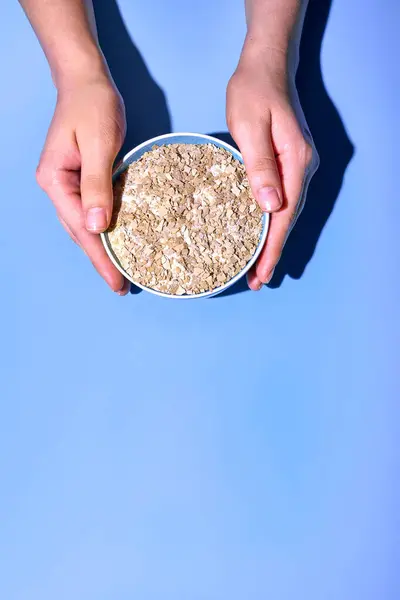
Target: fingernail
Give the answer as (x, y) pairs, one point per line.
(250, 282)
(96, 219)
(268, 198)
(125, 288)
(270, 276)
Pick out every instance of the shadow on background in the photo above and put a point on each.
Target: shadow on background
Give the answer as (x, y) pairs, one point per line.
(146, 107)
(148, 116)
(334, 147)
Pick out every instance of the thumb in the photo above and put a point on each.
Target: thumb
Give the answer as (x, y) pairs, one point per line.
(255, 144)
(96, 187)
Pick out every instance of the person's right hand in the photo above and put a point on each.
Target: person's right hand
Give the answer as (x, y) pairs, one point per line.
(75, 168)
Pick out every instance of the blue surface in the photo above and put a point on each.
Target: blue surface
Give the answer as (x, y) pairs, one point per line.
(239, 447)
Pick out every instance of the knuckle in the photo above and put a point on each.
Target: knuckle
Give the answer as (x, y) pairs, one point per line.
(241, 127)
(263, 163)
(305, 152)
(308, 153)
(317, 160)
(95, 183)
(235, 125)
(43, 177)
(233, 85)
(237, 116)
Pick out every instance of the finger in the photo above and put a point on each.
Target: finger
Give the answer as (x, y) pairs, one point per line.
(91, 244)
(309, 174)
(98, 156)
(254, 141)
(68, 230)
(126, 288)
(68, 207)
(252, 280)
(279, 227)
(294, 166)
(93, 247)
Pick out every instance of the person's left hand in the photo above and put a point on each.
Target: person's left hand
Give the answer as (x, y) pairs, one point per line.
(279, 159)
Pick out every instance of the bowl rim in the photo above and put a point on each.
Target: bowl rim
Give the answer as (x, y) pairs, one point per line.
(123, 165)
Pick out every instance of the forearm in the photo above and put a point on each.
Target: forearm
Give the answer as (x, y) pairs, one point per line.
(274, 28)
(67, 33)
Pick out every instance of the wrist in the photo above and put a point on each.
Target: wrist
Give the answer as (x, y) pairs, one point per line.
(262, 54)
(78, 66)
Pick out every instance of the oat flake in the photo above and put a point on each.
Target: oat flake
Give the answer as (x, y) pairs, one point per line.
(185, 220)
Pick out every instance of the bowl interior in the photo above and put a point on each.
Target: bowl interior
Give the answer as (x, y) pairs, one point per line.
(182, 138)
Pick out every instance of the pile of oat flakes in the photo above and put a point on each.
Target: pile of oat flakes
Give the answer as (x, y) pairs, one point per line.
(185, 220)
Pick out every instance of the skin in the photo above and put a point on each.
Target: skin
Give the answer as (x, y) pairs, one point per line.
(88, 126)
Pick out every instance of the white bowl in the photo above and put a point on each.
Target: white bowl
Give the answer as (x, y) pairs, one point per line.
(183, 138)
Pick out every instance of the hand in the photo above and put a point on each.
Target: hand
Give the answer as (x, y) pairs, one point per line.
(75, 168)
(279, 160)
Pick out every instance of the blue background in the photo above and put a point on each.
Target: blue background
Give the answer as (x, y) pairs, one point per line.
(239, 447)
